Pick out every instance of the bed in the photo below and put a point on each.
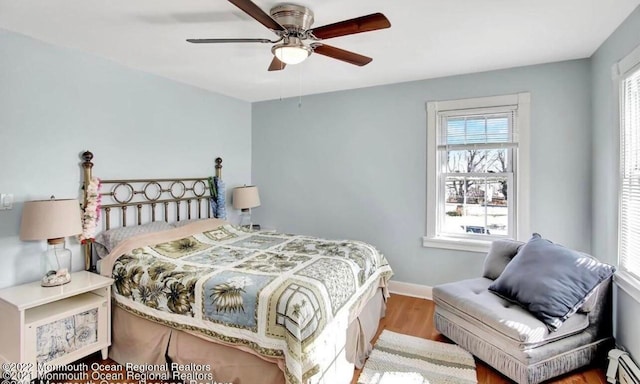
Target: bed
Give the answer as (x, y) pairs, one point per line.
(223, 303)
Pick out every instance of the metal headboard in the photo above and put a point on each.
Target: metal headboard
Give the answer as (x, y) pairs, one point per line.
(148, 200)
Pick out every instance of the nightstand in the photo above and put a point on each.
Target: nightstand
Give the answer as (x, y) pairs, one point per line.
(46, 327)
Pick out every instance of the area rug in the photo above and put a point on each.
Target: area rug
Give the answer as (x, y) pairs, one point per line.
(404, 359)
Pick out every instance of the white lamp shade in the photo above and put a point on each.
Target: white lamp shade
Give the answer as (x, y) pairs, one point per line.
(246, 197)
(291, 54)
(50, 219)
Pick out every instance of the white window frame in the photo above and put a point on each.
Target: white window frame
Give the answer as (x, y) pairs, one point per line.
(520, 103)
(620, 72)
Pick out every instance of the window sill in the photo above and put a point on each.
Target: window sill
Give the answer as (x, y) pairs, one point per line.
(479, 246)
(628, 283)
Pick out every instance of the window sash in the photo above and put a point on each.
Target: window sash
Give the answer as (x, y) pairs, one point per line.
(442, 211)
(444, 148)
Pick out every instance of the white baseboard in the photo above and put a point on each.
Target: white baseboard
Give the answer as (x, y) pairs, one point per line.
(628, 284)
(413, 290)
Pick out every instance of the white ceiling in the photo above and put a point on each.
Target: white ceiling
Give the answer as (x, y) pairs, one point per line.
(427, 38)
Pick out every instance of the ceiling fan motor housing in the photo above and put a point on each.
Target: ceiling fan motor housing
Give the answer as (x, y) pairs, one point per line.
(295, 18)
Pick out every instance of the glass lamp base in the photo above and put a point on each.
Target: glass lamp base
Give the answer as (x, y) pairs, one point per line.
(245, 219)
(56, 264)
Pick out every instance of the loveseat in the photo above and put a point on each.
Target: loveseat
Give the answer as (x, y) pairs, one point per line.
(508, 332)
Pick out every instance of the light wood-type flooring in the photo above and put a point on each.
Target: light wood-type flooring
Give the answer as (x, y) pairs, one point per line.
(413, 316)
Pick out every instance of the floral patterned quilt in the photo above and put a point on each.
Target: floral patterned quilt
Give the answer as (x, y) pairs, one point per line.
(281, 295)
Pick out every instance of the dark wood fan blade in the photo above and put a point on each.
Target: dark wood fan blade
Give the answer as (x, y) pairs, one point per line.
(257, 13)
(349, 27)
(341, 54)
(276, 65)
(209, 41)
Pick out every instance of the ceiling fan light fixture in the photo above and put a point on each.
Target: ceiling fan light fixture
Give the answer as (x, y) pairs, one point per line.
(292, 24)
(290, 53)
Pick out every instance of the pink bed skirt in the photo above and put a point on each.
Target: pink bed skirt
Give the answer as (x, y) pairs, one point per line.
(140, 341)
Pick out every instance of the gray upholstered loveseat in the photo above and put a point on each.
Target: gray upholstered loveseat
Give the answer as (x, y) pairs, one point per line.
(511, 339)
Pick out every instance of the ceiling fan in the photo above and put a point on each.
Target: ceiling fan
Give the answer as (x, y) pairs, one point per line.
(292, 23)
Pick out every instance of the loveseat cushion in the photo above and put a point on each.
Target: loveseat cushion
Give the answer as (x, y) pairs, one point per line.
(471, 300)
(550, 281)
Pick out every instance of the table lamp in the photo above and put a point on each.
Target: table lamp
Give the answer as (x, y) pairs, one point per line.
(52, 220)
(245, 198)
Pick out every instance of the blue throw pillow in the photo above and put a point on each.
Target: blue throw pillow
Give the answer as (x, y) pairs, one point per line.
(549, 280)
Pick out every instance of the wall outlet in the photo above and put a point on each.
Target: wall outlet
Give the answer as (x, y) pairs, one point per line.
(6, 201)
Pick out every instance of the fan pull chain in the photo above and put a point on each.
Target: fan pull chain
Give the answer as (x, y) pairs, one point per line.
(299, 87)
(280, 84)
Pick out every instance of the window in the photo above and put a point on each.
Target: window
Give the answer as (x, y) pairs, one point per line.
(629, 203)
(477, 163)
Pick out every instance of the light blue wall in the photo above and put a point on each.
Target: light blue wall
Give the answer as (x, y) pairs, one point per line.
(346, 164)
(353, 163)
(55, 103)
(605, 168)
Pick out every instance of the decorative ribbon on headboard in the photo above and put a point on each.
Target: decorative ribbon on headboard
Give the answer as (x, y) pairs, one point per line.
(218, 193)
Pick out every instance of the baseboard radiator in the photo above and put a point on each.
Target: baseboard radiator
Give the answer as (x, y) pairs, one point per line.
(622, 369)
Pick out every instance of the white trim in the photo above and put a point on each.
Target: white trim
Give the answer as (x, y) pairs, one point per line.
(457, 244)
(628, 283)
(523, 184)
(619, 72)
(521, 101)
(412, 290)
(432, 171)
(477, 102)
(627, 63)
(617, 77)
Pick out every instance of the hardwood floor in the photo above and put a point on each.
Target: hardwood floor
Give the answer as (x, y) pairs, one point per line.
(412, 316)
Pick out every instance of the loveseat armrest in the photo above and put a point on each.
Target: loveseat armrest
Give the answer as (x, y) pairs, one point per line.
(500, 254)
(600, 315)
